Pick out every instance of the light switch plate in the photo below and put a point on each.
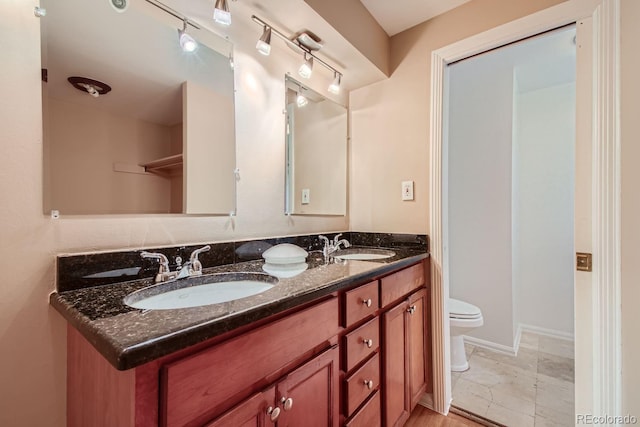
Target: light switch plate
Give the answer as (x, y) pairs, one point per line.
(407, 190)
(306, 196)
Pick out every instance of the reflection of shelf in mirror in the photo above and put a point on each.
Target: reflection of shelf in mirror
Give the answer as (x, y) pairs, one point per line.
(167, 166)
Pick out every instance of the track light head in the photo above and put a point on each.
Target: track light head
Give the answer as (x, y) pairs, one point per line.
(187, 43)
(221, 13)
(264, 44)
(307, 68)
(301, 100)
(334, 87)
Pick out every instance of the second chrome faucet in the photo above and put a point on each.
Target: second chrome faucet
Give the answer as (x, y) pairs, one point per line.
(332, 246)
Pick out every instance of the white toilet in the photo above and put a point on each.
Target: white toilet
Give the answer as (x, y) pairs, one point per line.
(462, 318)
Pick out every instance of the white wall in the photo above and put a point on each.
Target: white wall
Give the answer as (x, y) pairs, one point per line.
(32, 335)
(479, 190)
(543, 179)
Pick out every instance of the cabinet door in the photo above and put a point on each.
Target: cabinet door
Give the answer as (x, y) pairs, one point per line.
(257, 411)
(308, 396)
(417, 348)
(396, 402)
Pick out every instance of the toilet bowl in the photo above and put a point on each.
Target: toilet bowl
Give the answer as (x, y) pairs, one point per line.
(463, 317)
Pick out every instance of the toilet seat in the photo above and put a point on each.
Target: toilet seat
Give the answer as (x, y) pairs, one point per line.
(463, 310)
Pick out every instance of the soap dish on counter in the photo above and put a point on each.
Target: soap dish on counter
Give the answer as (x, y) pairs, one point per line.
(285, 260)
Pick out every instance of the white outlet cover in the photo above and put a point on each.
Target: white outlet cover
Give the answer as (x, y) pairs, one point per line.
(407, 190)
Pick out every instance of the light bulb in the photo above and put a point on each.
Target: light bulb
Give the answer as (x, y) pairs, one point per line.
(264, 44)
(301, 100)
(306, 69)
(187, 43)
(221, 13)
(334, 87)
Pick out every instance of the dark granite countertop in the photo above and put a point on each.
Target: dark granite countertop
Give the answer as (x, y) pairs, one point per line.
(129, 337)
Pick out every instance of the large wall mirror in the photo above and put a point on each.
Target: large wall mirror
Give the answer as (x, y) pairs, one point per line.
(316, 153)
(162, 140)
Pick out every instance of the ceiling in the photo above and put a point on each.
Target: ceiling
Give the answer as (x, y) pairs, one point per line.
(395, 17)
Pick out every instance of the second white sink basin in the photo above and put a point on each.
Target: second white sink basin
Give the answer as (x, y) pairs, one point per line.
(200, 291)
(364, 254)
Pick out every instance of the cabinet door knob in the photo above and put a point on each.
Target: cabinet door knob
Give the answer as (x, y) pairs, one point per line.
(273, 413)
(367, 302)
(368, 343)
(411, 309)
(287, 403)
(369, 384)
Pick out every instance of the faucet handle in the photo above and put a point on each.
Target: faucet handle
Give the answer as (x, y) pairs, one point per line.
(336, 238)
(195, 269)
(164, 261)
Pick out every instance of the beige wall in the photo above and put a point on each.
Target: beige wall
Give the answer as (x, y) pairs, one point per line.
(390, 119)
(32, 335)
(84, 143)
(320, 158)
(630, 227)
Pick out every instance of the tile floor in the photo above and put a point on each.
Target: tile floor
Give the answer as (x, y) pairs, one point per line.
(531, 390)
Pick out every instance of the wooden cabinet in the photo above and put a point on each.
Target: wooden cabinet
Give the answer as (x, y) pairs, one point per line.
(308, 396)
(358, 357)
(257, 411)
(405, 367)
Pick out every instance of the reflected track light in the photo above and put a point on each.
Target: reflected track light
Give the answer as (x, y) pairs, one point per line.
(187, 43)
(221, 13)
(334, 87)
(301, 100)
(264, 44)
(306, 69)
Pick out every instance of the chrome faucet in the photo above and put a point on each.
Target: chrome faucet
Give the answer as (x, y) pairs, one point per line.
(193, 267)
(331, 247)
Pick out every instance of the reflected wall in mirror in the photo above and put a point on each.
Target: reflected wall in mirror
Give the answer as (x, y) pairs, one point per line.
(316, 147)
(162, 140)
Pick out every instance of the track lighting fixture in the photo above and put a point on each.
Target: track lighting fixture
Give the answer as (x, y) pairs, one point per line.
(187, 43)
(301, 100)
(305, 43)
(221, 13)
(306, 68)
(264, 44)
(334, 87)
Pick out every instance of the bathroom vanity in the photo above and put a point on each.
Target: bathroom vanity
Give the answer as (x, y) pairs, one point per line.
(344, 343)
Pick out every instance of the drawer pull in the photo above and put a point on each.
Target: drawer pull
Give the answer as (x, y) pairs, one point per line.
(367, 302)
(287, 403)
(368, 343)
(411, 309)
(273, 413)
(369, 384)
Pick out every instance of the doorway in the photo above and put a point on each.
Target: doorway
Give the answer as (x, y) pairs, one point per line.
(597, 294)
(508, 182)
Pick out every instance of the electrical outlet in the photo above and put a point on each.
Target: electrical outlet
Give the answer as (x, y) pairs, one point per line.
(407, 190)
(306, 196)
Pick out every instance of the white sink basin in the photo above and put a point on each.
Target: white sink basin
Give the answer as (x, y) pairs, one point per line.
(364, 254)
(199, 291)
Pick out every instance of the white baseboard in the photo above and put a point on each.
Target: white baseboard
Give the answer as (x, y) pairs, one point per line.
(546, 332)
(427, 401)
(489, 345)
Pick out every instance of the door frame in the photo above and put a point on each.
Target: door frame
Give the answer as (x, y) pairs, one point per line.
(603, 364)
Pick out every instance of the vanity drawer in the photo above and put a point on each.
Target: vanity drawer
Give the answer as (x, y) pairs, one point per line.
(212, 381)
(368, 415)
(362, 383)
(361, 342)
(360, 303)
(402, 283)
